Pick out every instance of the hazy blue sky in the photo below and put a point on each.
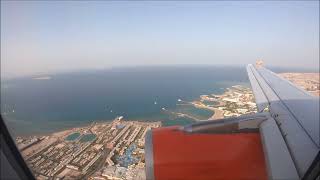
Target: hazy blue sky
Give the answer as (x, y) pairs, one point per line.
(49, 37)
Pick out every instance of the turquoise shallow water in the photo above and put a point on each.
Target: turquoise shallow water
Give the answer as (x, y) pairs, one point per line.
(87, 137)
(198, 113)
(69, 100)
(178, 121)
(210, 103)
(73, 136)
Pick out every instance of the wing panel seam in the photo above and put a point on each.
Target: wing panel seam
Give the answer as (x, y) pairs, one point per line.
(284, 104)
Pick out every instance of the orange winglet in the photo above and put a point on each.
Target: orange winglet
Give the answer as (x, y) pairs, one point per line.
(181, 155)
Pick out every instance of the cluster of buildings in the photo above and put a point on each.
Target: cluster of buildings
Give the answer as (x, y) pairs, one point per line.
(307, 81)
(74, 156)
(25, 143)
(132, 172)
(236, 101)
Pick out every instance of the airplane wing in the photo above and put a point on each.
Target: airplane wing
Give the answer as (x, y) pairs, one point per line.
(281, 141)
(296, 118)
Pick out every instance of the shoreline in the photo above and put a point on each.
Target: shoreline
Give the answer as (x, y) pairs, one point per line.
(234, 101)
(217, 114)
(79, 127)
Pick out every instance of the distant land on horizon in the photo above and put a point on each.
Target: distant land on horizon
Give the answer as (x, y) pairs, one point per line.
(276, 69)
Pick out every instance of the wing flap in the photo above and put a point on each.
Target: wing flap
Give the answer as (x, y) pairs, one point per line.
(279, 162)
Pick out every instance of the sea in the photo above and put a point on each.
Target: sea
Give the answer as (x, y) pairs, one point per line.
(34, 106)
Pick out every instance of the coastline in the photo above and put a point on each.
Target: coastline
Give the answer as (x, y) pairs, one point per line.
(50, 138)
(54, 153)
(218, 113)
(234, 101)
(58, 131)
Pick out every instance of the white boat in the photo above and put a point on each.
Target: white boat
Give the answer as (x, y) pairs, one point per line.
(155, 102)
(179, 100)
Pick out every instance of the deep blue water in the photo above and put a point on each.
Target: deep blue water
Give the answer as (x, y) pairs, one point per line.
(74, 99)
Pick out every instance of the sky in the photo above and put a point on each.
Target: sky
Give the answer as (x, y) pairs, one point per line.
(53, 36)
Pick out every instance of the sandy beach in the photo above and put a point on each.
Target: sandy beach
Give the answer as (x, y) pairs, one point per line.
(218, 114)
(48, 140)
